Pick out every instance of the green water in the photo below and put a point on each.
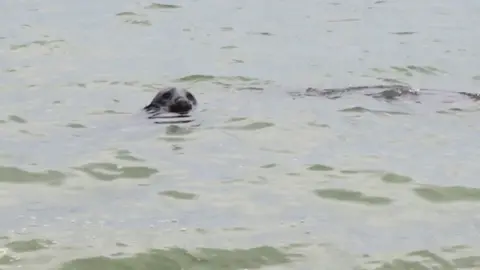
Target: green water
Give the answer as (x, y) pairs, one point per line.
(261, 179)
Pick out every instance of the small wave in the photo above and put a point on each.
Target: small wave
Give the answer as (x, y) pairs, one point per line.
(352, 196)
(172, 118)
(365, 110)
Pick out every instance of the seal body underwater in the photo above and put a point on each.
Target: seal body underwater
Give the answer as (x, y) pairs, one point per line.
(171, 100)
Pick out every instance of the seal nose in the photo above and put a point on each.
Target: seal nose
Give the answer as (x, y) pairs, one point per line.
(184, 104)
(181, 105)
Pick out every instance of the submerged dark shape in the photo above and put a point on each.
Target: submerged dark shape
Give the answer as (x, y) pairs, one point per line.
(474, 96)
(172, 100)
(385, 92)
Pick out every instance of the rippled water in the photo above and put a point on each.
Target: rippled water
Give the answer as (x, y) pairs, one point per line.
(265, 177)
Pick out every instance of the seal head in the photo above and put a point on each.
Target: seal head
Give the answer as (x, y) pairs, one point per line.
(172, 100)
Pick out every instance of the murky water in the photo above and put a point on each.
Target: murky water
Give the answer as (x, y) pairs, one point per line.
(262, 179)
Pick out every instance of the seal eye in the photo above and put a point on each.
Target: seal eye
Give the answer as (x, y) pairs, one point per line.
(190, 96)
(167, 95)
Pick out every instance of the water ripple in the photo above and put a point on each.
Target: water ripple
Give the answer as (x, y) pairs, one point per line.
(352, 196)
(50, 44)
(19, 176)
(110, 171)
(177, 258)
(438, 194)
(451, 258)
(178, 195)
(161, 6)
(251, 126)
(29, 245)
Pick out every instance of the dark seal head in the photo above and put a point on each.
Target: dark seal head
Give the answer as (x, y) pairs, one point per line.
(172, 100)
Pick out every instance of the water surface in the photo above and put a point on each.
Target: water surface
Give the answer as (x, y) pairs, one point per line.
(263, 178)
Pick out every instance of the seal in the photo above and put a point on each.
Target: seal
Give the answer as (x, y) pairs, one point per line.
(172, 100)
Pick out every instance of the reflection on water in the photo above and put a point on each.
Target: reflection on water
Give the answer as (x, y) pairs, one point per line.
(339, 134)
